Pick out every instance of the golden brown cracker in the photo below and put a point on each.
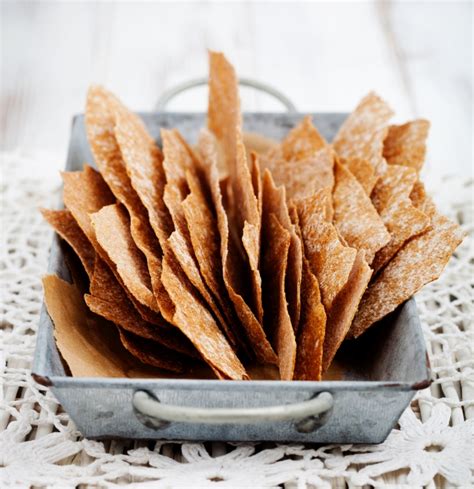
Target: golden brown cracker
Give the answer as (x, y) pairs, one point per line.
(355, 216)
(197, 323)
(85, 192)
(310, 340)
(257, 143)
(144, 164)
(302, 142)
(276, 243)
(420, 261)
(391, 195)
(274, 201)
(152, 353)
(101, 116)
(112, 230)
(363, 132)
(66, 226)
(329, 259)
(421, 200)
(344, 308)
(304, 177)
(231, 263)
(406, 144)
(363, 171)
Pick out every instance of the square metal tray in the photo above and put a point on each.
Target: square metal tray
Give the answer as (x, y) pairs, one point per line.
(378, 373)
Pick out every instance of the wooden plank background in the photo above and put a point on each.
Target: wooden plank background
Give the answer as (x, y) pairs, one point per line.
(324, 55)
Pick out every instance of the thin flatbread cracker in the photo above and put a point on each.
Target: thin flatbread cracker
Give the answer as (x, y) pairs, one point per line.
(344, 308)
(112, 230)
(304, 177)
(66, 226)
(276, 241)
(101, 116)
(152, 353)
(406, 144)
(196, 322)
(391, 196)
(302, 142)
(85, 192)
(355, 217)
(256, 143)
(144, 164)
(310, 341)
(363, 171)
(420, 261)
(274, 201)
(421, 200)
(232, 267)
(329, 259)
(363, 133)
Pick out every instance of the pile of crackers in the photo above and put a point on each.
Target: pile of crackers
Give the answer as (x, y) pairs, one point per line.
(265, 253)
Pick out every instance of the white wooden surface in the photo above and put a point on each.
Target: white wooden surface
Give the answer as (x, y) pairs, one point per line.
(323, 55)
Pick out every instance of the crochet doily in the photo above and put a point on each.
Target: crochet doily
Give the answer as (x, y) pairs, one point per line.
(40, 446)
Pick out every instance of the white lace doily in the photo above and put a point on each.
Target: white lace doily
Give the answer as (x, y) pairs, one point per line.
(39, 445)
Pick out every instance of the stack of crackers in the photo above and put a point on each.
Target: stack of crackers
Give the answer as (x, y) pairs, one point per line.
(260, 254)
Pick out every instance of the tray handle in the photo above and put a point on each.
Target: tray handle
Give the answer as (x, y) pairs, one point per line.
(170, 94)
(155, 414)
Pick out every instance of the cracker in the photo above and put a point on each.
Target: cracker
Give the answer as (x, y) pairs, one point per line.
(152, 353)
(310, 341)
(66, 226)
(231, 263)
(84, 193)
(329, 259)
(196, 322)
(420, 261)
(391, 195)
(304, 177)
(101, 116)
(274, 201)
(112, 230)
(363, 171)
(302, 142)
(421, 200)
(406, 144)
(257, 143)
(144, 164)
(344, 308)
(362, 134)
(355, 216)
(277, 319)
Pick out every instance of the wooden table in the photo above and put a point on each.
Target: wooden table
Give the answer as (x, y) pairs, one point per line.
(325, 56)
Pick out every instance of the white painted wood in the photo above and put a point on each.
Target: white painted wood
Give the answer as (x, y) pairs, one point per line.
(323, 55)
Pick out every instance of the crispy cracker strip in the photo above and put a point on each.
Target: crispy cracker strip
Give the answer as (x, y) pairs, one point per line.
(420, 261)
(310, 341)
(274, 201)
(329, 259)
(355, 216)
(256, 143)
(101, 116)
(344, 308)
(152, 353)
(421, 200)
(304, 177)
(391, 196)
(112, 230)
(85, 192)
(196, 322)
(406, 144)
(302, 142)
(363, 171)
(66, 226)
(277, 319)
(362, 134)
(231, 263)
(144, 165)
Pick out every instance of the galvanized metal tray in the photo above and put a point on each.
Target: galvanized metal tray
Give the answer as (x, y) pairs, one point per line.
(378, 373)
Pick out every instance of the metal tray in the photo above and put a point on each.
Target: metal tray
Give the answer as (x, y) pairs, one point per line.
(378, 373)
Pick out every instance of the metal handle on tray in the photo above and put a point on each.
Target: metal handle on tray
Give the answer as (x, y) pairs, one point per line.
(155, 414)
(168, 95)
